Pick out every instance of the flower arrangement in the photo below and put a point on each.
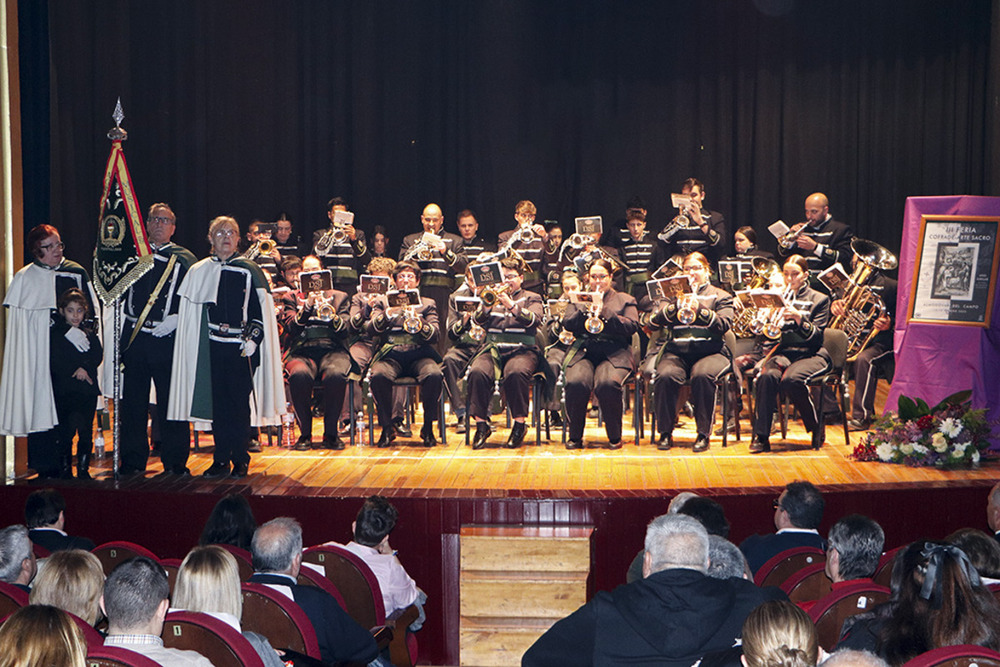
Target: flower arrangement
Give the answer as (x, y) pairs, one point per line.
(949, 435)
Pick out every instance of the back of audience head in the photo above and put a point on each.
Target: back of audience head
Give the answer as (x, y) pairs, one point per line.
(375, 520)
(981, 548)
(725, 560)
(43, 508)
(135, 597)
(803, 503)
(17, 558)
(708, 513)
(854, 547)
(846, 657)
(73, 581)
(779, 634)
(675, 541)
(277, 546)
(937, 601)
(677, 502)
(41, 635)
(231, 522)
(209, 580)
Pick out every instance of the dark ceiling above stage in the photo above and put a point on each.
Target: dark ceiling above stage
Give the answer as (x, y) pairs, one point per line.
(254, 107)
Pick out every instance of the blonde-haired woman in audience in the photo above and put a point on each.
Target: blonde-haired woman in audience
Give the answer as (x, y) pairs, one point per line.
(73, 581)
(41, 635)
(779, 634)
(209, 581)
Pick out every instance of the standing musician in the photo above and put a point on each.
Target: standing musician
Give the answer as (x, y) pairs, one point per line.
(316, 328)
(343, 250)
(466, 338)
(530, 244)
(559, 341)
(636, 250)
(550, 259)
(226, 350)
(286, 242)
(256, 236)
(599, 362)
(822, 240)
(691, 347)
(147, 349)
(694, 229)
(440, 264)
(581, 257)
(409, 335)
(509, 355)
(473, 244)
(794, 358)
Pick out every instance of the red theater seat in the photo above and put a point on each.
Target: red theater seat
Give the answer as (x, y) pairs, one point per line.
(963, 655)
(783, 565)
(222, 644)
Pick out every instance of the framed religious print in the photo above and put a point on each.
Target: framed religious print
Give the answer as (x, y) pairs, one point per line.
(955, 271)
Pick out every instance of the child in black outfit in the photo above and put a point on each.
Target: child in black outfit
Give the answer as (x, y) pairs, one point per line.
(75, 353)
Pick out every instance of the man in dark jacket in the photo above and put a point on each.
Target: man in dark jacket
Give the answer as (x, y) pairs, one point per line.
(673, 616)
(798, 512)
(45, 513)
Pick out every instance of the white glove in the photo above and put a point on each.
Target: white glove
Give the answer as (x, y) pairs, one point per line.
(248, 347)
(78, 338)
(166, 327)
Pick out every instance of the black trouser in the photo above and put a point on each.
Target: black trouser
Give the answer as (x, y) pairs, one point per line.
(440, 297)
(672, 371)
(554, 357)
(76, 417)
(515, 382)
(781, 374)
(866, 380)
(332, 367)
(456, 360)
(597, 375)
(44, 452)
(150, 358)
(416, 363)
(232, 381)
(362, 353)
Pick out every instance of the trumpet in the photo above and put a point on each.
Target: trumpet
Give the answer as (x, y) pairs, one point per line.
(790, 238)
(575, 243)
(421, 251)
(411, 321)
(477, 333)
(687, 309)
(261, 247)
(491, 294)
(594, 324)
(680, 221)
(324, 310)
(524, 234)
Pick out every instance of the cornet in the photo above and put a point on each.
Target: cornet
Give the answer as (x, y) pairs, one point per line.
(687, 309)
(477, 333)
(491, 294)
(594, 324)
(411, 321)
(324, 310)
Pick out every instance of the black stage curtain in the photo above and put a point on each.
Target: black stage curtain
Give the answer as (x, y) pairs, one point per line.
(256, 107)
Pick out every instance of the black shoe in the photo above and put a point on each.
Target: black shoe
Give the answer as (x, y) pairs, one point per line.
(730, 427)
(574, 444)
(254, 447)
(483, 432)
(701, 444)
(387, 436)
(460, 425)
(517, 432)
(402, 430)
(818, 436)
(83, 466)
(241, 470)
(154, 453)
(760, 445)
(665, 442)
(181, 471)
(303, 444)
(858, 424)
(555, 418)
(216, 471)
(333, 442)
(427, 438)
(617, 444)
(127, 471)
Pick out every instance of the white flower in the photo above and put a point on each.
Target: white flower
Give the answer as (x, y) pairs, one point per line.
(920, 449)
(884, 452)
(951, 427)
(959, 448)
(939, 443)
(906, 448)
(975, 456)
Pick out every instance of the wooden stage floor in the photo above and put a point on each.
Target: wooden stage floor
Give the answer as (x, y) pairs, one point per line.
(549, 470)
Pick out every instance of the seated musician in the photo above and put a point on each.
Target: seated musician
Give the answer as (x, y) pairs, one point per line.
(581, 258)
(408, 338)
(510, 324)
(559, 341)
(466, 338)
(316, 334)
(745, 240)
(792, 359)
(600, 360)
(692, 348)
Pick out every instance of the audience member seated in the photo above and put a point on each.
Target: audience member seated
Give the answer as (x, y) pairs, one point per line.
(853, 549)
(135, 602)
(277, 558)
(798, 512)
(993, 511)
(708, 512)
(937, 600)
(672, 617)
(846, 657)
(17, 558)
(231, 522)
(983, 551)
(375, 521)
(725, 560)
(71, 580)
(209, 581)
(779, 634)
(45, 514)
(41, 636)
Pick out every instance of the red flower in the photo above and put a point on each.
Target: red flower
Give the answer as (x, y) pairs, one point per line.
(925, 422)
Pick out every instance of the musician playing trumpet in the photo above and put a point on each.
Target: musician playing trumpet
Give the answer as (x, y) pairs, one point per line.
(694, 229)
(691, 347)
(530, 244)
(466, 338)
(820, 239)
(795, 357)
(342, 249)
(510, 323)
(558, 342)
(600, 359)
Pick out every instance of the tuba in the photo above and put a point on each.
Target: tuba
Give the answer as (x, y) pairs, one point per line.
(862, 306)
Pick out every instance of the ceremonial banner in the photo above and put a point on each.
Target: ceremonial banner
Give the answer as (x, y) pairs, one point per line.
(123, 253)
